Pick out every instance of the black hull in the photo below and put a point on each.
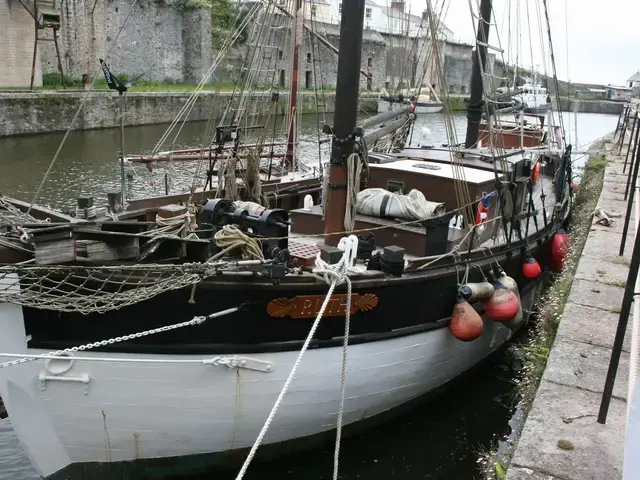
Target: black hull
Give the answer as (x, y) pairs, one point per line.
(418, 301)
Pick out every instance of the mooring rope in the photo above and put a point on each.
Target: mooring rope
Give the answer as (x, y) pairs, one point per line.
(334, 275)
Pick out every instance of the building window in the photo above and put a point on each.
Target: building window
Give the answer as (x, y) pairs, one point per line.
(369, 62)
(308, 58)
(313, 10)
(282, 72)
(280, 53)
(367, 13)
(463, 89)
(340, 8)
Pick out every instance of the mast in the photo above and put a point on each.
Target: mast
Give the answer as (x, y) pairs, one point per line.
(345, 116)
(293, 93)
(474, 112)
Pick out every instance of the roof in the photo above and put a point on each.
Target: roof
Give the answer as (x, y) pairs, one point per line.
(635, 77)
(615, 87)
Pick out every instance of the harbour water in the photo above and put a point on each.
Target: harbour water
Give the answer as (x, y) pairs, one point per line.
(438, 441)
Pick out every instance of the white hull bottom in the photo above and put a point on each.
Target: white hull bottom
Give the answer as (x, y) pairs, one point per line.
(427, 107)
(129, 411)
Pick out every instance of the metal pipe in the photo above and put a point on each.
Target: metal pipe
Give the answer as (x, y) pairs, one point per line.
(621, 330)
(122, 176)
(625, 229)
(345, 116)
(635, 143)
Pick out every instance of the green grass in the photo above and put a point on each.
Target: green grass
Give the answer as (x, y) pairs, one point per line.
(565, 445)
(616, 283)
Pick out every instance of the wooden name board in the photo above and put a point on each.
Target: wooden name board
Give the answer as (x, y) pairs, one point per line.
(308, 306)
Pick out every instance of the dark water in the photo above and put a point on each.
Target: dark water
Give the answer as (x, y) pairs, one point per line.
(439, 440)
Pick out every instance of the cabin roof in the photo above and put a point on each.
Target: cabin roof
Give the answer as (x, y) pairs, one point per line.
(433, 169)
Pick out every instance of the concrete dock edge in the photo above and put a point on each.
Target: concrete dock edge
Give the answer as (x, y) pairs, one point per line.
(561, 439)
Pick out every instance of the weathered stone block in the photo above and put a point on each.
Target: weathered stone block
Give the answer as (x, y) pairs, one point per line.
(566, 413)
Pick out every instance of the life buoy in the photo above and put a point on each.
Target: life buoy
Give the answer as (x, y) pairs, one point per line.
(535, 173)
(482, 213)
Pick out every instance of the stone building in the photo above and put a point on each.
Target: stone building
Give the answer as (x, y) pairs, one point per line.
(17, 32)
(159, 41)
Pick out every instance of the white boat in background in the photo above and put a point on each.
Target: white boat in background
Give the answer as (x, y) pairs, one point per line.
(534, 98)
(423, 105)
(423, 102)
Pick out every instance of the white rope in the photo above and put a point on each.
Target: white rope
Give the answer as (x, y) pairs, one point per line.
(194, 321)
(334, 275)
(354, 171)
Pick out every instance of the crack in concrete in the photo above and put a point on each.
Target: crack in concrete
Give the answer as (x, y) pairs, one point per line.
(591, 344)
(543, 471)
(577, 387)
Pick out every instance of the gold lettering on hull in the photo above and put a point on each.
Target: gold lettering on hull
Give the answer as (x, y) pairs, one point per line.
(308, 306)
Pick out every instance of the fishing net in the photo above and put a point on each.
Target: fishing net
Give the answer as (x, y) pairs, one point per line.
(96, 289)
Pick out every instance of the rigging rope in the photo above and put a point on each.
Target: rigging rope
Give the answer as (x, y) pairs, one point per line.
(334, 275)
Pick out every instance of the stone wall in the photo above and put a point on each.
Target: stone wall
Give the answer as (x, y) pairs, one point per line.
(16, 46)
(158, 41)
(32, 113)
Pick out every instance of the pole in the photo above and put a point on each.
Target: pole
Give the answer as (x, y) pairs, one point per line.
(625, 229)
(633, 156)
(293, 92)
(635, 143)
(122, 177)
(55, 41)
(35, 44)
(474, 112)
(622, 328)
(345, 116)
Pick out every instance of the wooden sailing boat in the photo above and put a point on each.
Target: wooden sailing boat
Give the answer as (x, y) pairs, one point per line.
(193, 329)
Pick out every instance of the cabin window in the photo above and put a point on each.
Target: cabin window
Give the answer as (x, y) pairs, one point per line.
(369, 62)
(367, 13)
(308, 58)
(396, 186)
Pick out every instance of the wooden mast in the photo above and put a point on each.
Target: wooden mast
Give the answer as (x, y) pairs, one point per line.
(298, 18)
(474, 112)
(345, 116)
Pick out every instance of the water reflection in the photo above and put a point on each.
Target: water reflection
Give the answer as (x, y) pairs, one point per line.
(88, 161)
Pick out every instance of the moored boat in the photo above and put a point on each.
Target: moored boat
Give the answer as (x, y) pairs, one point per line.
(198, 313)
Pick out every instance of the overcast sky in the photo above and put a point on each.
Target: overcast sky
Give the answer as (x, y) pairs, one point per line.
(603, 37)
